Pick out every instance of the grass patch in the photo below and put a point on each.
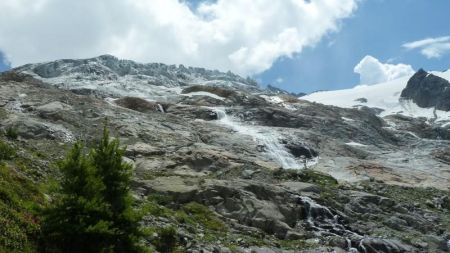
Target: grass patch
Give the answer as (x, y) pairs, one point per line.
(407, 195)
(197, 213)
(306, 175)
(19, 226)
(6, 151)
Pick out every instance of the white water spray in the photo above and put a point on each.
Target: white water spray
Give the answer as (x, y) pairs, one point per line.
(161, 108)
(267, 139)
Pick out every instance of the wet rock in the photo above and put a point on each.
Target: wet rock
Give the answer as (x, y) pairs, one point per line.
(300, 150)
(375, 245)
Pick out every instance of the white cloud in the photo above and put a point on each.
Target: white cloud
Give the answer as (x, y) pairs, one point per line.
(431, 47)
(239, 35)
(279, 80)
(372, 71)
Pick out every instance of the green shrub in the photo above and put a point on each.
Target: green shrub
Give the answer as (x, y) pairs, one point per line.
(201, 214)
(166, 240)
(6, 152)
(19, 227)
(12, 133)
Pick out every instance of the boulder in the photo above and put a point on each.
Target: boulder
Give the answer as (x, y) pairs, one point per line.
(142, 149)
(54, 110)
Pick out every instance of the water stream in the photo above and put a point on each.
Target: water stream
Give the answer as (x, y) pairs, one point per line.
(319, 218)
(269, 140)
(323, 222)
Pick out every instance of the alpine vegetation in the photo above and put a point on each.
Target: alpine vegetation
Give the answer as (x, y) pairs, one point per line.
(92, 209)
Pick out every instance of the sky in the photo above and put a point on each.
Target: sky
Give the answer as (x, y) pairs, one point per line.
(297, 45)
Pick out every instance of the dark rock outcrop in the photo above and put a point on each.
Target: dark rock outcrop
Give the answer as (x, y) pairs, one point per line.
(428, 90)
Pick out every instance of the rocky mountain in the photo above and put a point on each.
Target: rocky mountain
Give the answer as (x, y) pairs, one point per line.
(236, 168)
(279, 91)
(110, 76)
(428, 90)
(421, 95)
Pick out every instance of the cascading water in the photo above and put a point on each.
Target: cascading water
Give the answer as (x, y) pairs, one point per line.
(322, 220)
(161, 108)
(267, 139)
(318, 217)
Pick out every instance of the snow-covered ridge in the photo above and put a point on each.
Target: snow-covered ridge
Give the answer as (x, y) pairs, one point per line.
(385, 96)
(110, 75)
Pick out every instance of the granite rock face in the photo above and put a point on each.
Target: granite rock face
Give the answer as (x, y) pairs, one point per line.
(428, 90)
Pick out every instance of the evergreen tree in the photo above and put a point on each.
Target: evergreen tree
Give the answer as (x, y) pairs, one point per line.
(93, 211)
(74, 223)
(116, 177)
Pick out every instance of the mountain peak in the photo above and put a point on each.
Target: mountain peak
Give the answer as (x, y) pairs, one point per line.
(428, 90)
(118, 77)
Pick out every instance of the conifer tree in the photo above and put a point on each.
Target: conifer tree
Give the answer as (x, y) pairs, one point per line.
(93, 211)
(116, 177)
(75, 221)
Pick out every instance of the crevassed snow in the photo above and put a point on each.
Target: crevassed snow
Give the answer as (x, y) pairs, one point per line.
(384, 96)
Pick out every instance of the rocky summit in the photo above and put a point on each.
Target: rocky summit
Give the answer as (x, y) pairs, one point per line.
(234, 167)
(428, 90)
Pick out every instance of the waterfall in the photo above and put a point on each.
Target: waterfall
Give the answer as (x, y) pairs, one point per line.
(322, 220)
(161, 108)
(267, 139)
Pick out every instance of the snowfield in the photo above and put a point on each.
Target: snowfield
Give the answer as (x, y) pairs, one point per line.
(385, 96)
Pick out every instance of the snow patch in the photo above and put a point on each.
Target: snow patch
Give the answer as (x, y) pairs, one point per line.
(203, 93)
(278, 101)
(355, 144)
(347, 119)
(385, 96)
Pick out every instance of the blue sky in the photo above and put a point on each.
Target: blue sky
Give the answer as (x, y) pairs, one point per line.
(378, 28)
(3, 66)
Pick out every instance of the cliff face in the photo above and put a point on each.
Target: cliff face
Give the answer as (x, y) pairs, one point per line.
(236, 168)
(428, 90)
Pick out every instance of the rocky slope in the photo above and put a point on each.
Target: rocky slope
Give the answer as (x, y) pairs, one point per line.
(428, 90)
(236, 168)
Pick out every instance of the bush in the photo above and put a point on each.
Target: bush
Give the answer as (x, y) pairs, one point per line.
(19, 226)
(12, 133)
(6, 152)
(201, 214)
(167, 239)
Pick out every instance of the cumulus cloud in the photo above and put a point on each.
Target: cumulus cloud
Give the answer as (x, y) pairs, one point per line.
(431, 47)
(372, 71)
(238, 35)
